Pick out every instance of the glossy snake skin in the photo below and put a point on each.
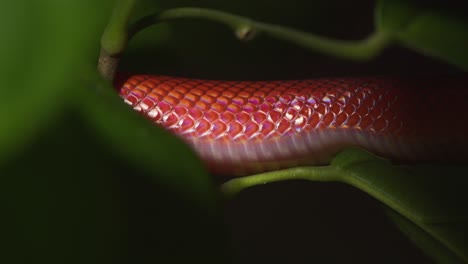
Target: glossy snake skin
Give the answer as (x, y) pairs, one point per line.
(242, 127)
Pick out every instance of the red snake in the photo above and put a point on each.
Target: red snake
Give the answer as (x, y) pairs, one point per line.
(244, 127)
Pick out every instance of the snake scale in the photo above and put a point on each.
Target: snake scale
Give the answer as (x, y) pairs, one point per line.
(244, 127)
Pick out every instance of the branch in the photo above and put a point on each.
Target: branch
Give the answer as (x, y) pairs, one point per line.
(323, 174)
(246, 28)
(115, 38)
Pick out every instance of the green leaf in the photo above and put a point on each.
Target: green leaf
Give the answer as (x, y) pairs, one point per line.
(171, 162)
(424, 193)
(440, 36)
(60, 199)
(392, 16)
(431, 196)
(68, 193)
(180, 204)
(42, 50)
(438, 31)
(431, 246)
(70, 199)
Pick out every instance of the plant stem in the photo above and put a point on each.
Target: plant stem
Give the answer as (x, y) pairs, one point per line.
(118, 32)
(115, 38)
(245, 28)
(107, 65)
(323, 174)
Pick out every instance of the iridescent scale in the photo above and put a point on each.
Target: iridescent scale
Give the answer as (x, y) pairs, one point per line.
(241, 127)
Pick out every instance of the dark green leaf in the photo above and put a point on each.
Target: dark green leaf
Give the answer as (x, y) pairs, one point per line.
(424, 193)
(170, 161)
(437, 30)
(60, 199)
(433, 197)
(71, 199)
(66, 196)
(440, 36)
(392, 16)
(429, 244)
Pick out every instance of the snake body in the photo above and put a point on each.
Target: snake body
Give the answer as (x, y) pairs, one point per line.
(242, 127)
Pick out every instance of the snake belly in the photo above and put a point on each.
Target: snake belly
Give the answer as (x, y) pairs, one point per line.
(244, 127)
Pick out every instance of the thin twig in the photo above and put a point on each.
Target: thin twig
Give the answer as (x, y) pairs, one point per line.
(323, 174)
(115, 38)
(245, 28)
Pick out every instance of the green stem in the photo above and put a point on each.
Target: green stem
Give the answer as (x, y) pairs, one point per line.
(245, 28)
(115, 38)
(323, 174)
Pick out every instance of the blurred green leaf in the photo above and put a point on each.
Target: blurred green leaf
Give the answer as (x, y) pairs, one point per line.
(171, 162)
(392, 16)
(78, 184)
(42, 51)
(440, 36)
(71, 199)
(427, 28)
(60, 199)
